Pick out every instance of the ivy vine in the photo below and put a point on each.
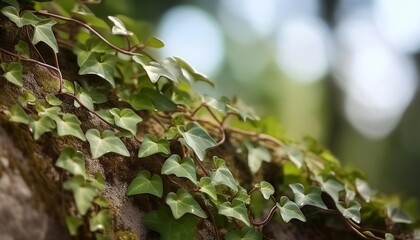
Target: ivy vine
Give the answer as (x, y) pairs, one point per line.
(203, 186)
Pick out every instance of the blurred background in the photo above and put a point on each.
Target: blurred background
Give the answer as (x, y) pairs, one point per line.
(344, 72)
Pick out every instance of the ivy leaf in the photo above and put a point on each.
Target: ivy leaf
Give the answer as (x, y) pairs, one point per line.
(266, 189)
(389, 236)
(98, 181)
(160, 101)
(153, 69)
(351, 211)
(215, 104)
(13, 73)
(69, 125)
(183, 202)
(222, 175)
(294, 154)
(53, 100)
(350, 193)
(289, 210)
(244, 234)
(100, 221)
(145, 183)
(14, 3)
(180, 167)
(197, 138)
(206, 186)
(244, 110)
(332, 187)
(168, 227)
(102, 65)
(154, 42)
(119, 27)
(22, 49)
(126, 118)
(106, 115)
(51, 112)
(92, 45)
(83, 97)
(236, 210)
(73, 223)
(363, 189)
(83, 195)
(41, 126)
(72, 161)
(151, 145)
(190, 74)
(243, 196)
(102, 202)
(396, 215)
(310, 197)
(12, 14)
(44, 33)
(17, 114)
(257, 155)
(105, 142)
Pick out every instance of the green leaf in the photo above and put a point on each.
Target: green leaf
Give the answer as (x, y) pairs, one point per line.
(396, 215)
(41, 126)
(12, 14)
(106, 115)
(151, 145)
(154, 42)
(159, 101)
(350, 193)
(102, 202)
(100, 221)
(17, 114)
(312, 196)
(126, 118)
(14, 3)
(294, 154)
(119, 27)
(197, 138)
(22, 49)
(243, 196)
(89, 18)
(105, 142)
(190, 74)
(244, 110)
(153, 69)
(83, 97)
(389, 236)
(13, 73)
(363, 189)
(53, 100)
(332, 187)
(207, 186)
(44, 33)
(145, 183)
(222, 175)
(168, 227)
(83, 195)
(102, 65)
(215, 103)
(289, 210)
(98, 181)
(257, 155)
(180, 167)
(92, 45)
(266, 189)
(72, 161)
(183, 202)
(69, 125)
(27, 98)
(236, 210)
(73, 223)
(51, 112)
(244, 234)
(351, 211)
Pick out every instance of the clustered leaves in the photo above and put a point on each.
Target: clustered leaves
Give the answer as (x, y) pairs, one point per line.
(162, 90)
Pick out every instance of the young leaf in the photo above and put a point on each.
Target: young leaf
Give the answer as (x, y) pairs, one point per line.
(168, 227)
(289, 210)
(363, 189)
(12, 14)
(119, 27)
(154, 42)
(83, 97)
(13, 73)
(44, 33)
(69, 125)
(183, 202)
(126, 118)
(153, 69)
(332, 187)
(396, 215)
(51, 112)
(73, 223)
(180, 167)
(389, 236)
(22, 49)
(215, 104)
(197, 138)
(222, 175)
(257, 155)
(41, 126)
(106, 115)
(236, 210)
(17, 114)
(145, 183)
(294, 154)
(98, 181)
(310, 197)
(207, 187)
(73, 161)
(53, 100)
(83, 195)
(151, 145)
(92, 45)
(100, 221)
(102, 65)
(266, 189)
(244, 234)
(243, 196)
(352, 210)
(105, 142)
